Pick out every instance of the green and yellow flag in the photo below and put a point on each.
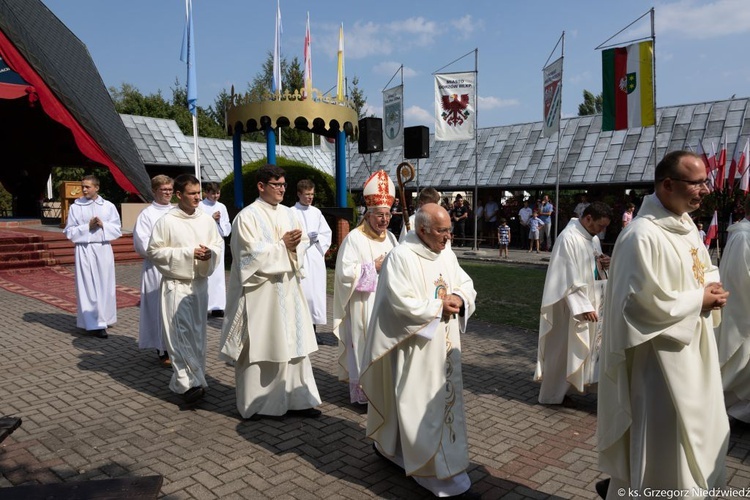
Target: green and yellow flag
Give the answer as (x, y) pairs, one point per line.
(628, 87)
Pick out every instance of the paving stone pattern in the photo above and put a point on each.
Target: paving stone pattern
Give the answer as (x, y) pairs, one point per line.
(95, 409)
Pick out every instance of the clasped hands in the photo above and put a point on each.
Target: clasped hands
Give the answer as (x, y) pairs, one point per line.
(451, 305)
(202, 253)
(94, 223)
(291, 239)
(714, 297)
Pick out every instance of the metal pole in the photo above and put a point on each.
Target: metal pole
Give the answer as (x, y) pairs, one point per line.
(476, 142)
(557, 153)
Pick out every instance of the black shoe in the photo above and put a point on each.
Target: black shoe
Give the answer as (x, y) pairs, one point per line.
(602, 487)
(194, 394)
(100, 334)
(306, 413)
(260, 416)
(218, 313)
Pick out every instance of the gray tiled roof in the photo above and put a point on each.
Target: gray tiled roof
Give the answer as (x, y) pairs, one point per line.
(517, 156)
(511, 156)
(161, 142)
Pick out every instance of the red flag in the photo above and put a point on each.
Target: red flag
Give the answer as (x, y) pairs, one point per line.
(713, 230)
(742, 167)
(732, 175)
(710, 161)
(721, 163)
(700, 152)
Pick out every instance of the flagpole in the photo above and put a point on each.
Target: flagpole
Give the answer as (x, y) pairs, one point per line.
(557, 148)
(195, 147)
(653, 72)
(476, 142)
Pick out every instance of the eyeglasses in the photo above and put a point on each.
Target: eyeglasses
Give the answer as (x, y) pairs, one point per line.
(382, 216)
(277, 185)
(703, 183)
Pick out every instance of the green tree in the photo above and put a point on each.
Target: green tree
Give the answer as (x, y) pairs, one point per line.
(207, 125)
(591, 104)
(358, 98)
(129, 100)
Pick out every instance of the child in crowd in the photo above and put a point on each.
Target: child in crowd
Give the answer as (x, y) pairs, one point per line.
(503, 237)
(702, 233)
(217, 294)
(534, 224)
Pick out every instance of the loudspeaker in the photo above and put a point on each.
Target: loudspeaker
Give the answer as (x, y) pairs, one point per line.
(370, 135)
(417, 142)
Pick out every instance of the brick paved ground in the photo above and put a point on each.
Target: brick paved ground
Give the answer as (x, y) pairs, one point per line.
(94, 409)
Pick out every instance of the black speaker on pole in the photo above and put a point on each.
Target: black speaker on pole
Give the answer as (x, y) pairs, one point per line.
(417, 142)
(370, 135)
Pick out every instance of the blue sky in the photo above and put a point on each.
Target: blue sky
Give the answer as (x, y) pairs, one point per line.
(700, 46)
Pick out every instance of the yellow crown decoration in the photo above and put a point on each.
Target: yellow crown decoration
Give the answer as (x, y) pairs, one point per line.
(314, 111)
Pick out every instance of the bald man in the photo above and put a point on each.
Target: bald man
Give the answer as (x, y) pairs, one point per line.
(412, 362)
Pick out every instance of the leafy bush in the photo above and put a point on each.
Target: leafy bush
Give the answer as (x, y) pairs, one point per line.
(325, 185)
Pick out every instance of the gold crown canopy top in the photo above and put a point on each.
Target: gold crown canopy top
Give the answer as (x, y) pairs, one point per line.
(316, 113)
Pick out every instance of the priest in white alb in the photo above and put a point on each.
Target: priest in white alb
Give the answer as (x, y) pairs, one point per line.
(319, 234)
(661, 418)
(217, 286)
(185, 247)
(570, 311)
(267, 329)
(412, 359)
(733, 334)
(150, 329)
(93, 223)
(358, 264)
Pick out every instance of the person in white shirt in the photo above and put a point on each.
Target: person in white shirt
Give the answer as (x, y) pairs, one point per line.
(661, 418)
(319, 233)
(150, 329)
(217, 287)
(185, 247)
(93, 223)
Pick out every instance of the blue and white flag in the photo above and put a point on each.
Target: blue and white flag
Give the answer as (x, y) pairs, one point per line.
(188, 56)
(276, 84)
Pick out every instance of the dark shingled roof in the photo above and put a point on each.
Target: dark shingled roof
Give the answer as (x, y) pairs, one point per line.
(64, 63)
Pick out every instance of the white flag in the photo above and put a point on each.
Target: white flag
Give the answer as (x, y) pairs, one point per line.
(552, 97)
(744, 167)
(393, 117)
(455, 106)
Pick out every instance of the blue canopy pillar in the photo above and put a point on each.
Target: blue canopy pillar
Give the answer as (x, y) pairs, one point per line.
(270, 144)
(341, 169)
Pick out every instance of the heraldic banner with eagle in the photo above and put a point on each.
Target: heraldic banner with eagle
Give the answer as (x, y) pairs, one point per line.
(455, 106)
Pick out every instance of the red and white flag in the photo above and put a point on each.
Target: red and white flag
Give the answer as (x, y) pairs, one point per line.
(721, 163)
(713, 230)
(308, 60)
(742, 167)
(732, 174)
(710, 162)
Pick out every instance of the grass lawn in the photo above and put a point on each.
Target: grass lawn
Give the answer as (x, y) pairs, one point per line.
(506, 294)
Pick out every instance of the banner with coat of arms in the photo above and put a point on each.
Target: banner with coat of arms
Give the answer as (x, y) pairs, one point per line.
(455, 106)
(393, 117)
(552, 97)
